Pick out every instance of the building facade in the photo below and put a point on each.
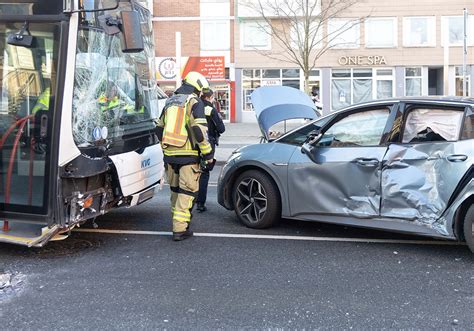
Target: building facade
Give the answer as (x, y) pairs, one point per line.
(206, 29)
(397, 51)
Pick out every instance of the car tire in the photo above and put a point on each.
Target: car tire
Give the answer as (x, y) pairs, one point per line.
(256, 200)
(468, 228)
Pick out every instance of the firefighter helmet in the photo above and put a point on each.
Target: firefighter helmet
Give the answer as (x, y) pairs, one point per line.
(198, 81)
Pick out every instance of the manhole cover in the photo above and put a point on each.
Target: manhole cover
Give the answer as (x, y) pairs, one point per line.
(66, 247)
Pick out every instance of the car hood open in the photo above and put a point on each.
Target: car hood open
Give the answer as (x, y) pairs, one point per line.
(274, 104)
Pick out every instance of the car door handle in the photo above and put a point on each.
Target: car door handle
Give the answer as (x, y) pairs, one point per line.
(457, 158)
(367, 162)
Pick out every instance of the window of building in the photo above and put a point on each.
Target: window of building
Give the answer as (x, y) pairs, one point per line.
(459, 76)
(381, 32)
(253, 78)
(255, 35)
(413, 82)
(349, 86)
(343, 33)
(215, 35)
(419, 31)
(298, 35)
(215, 8)
(454, 27)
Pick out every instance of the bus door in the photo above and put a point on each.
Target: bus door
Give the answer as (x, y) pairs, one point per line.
(28, 85)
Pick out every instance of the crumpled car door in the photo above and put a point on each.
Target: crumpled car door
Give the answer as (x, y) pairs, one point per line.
(421, 173)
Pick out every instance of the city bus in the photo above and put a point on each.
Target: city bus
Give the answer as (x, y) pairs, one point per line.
(78, 103)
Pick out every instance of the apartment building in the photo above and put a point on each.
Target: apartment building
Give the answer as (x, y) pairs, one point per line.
(397, 51)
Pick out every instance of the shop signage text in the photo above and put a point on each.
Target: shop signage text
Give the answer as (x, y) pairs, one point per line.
(371, 60)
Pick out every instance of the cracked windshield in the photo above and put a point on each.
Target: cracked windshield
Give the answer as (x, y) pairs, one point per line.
(114, 92)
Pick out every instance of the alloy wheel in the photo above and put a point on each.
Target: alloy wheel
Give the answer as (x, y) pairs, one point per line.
(251, 200)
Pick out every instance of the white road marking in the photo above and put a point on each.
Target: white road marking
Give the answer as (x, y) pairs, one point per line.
(210, 184)
(278, 237)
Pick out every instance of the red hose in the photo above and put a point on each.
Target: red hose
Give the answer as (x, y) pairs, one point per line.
(30, 175)
(21, 122)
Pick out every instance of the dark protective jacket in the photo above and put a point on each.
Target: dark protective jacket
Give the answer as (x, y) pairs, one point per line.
(215, 124)
(197, 146)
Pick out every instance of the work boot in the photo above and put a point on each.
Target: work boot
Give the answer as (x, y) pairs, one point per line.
(201, 207)
(179, 236)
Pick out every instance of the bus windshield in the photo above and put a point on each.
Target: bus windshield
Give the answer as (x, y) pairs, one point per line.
(114, 92)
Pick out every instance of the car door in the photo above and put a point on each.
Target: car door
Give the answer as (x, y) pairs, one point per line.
(344, 178)
(422, 169)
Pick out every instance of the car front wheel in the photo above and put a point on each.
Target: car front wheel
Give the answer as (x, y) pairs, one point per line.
(256, 200)
(469, 228)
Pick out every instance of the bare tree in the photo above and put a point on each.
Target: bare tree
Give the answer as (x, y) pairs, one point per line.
(298, 26)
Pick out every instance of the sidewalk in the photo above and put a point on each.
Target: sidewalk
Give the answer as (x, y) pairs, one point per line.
(240, 134)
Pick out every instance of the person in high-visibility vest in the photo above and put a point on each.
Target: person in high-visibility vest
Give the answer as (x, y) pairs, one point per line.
(43, 101)
(182, 131)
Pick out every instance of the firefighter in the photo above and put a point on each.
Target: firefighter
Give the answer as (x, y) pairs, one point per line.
(215, 127)
(182, 131)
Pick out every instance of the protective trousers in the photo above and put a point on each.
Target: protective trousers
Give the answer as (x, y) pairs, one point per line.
(184, 184)
(204, 180)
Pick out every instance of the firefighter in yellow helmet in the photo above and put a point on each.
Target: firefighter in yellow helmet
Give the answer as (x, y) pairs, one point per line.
(182, 130)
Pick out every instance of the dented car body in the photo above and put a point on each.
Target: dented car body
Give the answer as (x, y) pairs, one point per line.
(403, 165)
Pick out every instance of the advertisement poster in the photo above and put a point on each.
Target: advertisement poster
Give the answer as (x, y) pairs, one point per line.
(211, 67)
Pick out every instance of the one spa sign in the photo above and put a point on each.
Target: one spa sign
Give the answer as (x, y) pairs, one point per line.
(370, 60)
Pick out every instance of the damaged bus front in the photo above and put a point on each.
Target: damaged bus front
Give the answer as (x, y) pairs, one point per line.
(78, 101)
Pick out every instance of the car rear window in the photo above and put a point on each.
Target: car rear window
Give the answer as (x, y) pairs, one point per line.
(428, 125)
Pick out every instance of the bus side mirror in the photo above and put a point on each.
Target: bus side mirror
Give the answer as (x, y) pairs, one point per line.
(132, 39)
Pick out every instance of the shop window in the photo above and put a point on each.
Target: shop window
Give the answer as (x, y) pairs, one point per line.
(419, 31)
(384, 87)
(343, 33)
(413, 82)
(349, 86)
(454, 27)
(215, 35)
(459, 81)
(254, 78)
(381, 32)
(255, 35)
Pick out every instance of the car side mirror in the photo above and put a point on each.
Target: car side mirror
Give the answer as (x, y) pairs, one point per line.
(313, 137)
(309, 150)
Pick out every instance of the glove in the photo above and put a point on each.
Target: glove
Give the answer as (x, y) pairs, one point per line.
(208, 165)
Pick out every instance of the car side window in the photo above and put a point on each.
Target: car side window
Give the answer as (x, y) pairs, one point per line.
(468, 127)
(358, 129)
(430, 125)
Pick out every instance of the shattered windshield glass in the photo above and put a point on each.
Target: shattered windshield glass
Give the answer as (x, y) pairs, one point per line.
(114, 92)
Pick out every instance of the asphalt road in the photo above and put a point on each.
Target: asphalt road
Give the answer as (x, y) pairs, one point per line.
(222, 281)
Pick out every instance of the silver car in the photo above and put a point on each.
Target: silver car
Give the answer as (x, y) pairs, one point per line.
(402, 165)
